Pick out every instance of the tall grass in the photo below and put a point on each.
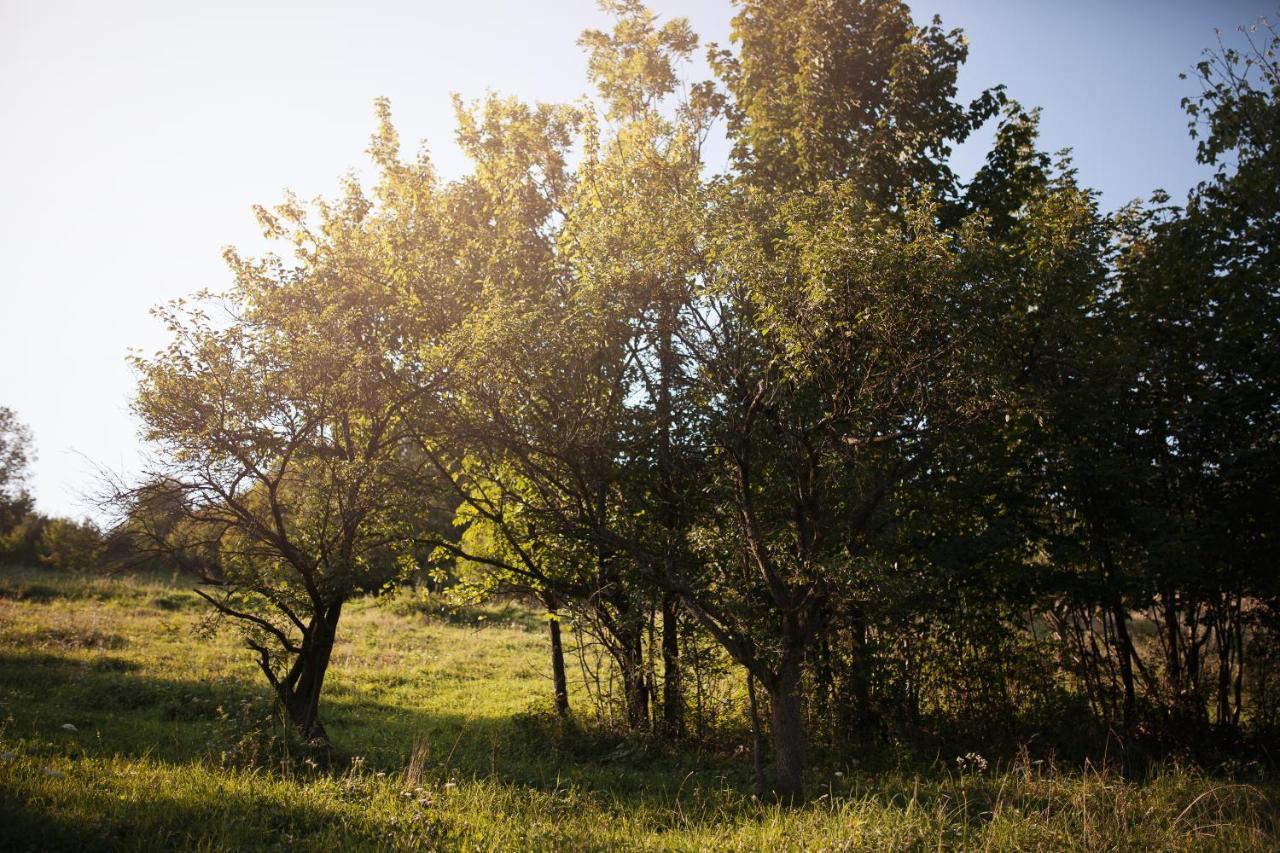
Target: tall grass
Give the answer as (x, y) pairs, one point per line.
(125, 728)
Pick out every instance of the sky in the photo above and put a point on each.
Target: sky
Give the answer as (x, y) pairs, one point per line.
(135, 136)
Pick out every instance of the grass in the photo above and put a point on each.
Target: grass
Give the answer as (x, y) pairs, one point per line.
(122, 729)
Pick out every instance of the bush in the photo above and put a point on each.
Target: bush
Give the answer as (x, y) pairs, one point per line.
(20, 545)
(67, 544)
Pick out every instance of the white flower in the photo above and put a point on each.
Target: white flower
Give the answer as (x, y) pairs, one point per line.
(70, 727)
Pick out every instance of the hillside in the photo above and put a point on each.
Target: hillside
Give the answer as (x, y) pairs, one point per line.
(120, 732)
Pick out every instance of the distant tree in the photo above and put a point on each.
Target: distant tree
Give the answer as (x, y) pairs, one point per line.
(20, 545)
(16, 455)
(68, 544)
(144, 532)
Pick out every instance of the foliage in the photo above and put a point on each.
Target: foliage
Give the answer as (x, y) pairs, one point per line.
(16, 456)
(67, 544)
(281, 433)
(922, 458)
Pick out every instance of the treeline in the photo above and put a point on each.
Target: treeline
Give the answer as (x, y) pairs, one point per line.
(28, 537)
(916, 455)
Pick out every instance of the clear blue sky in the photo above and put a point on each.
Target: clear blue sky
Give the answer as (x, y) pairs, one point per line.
(136, 135)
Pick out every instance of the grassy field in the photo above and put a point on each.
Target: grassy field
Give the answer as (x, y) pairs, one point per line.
(122, 726)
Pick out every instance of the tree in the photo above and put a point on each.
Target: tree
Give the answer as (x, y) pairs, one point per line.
(565, 399)
(16, 456)
(633, 240)
(281, 431)
(68, 544)
(835, 89)
(1197, 294)
(837, 366)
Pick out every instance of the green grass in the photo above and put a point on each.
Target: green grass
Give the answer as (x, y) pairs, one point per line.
(442, 741)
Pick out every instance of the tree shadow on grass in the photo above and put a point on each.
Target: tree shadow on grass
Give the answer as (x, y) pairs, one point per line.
(508, 612)
(122, 710)
(118, 708)
(207, 815)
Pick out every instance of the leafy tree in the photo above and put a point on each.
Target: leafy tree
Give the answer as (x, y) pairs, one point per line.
(68, 544)
(853, 89)
(1198, 295)
(16, 456)
(633, 240)
(281, 429)
(838, 368)
(566, 397)
(21, 544)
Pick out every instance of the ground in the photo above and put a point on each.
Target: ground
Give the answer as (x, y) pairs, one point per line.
(123, 725)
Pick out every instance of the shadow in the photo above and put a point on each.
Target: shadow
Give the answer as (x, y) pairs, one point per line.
(209, 817)
(505, 614)
(122, 710)
(119, 708)
(38, 593)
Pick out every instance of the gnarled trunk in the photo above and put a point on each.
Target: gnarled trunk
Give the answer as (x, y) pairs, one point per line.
(300, 690)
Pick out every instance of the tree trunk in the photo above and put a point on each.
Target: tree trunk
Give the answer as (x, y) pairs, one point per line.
(631, 662)
(1172, 635)
(300, 692)
(1125, 653)
(561, 684)
(1119, 613)
(788, 735)
(672, 712)
(823, 690)
(672, 698)
(757, 737)
(1124, 642)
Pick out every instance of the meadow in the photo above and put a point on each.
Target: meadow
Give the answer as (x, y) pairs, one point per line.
(127, 726)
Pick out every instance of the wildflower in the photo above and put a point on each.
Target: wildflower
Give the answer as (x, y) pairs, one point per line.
(839, 775)
(70, 727)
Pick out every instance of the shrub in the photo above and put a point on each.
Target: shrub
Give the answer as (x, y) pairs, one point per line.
(67, 544)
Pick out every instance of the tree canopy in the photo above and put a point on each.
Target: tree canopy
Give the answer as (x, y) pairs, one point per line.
(920, 455)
